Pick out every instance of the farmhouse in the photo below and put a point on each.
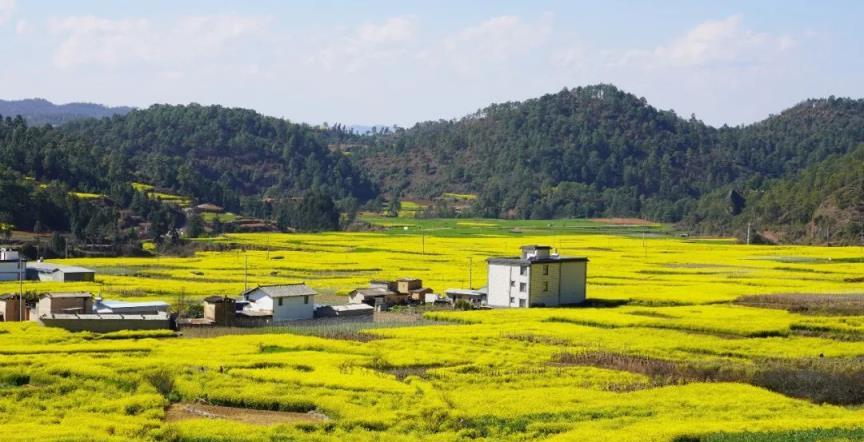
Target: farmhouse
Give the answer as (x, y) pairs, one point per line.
(476, 298)
(290, 302)
(378, 297)
(12, 310)
(536, 278)
(44, 271)
(56, 303)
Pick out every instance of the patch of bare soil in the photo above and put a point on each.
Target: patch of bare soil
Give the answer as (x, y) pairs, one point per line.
(196, 410)
(623, 221)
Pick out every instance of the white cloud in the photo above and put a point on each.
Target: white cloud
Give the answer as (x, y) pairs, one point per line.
(366, 45)
(7, 7)
(115, 43)
(23, 27)
(715, 43)
(393, 30)
(498, 39)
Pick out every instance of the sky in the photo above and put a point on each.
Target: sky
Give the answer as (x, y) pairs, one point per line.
(400, 62)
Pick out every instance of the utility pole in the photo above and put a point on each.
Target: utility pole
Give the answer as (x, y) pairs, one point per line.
(246, 273)
(21, 272)
(748, 234)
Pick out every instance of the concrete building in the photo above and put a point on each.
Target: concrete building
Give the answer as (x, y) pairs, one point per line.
(536, 278)
(292, 302)
(64, 303)
(44, 271)
(220, 310)
(11, 266)
(476, 298)
(12, 310)
(105, 306)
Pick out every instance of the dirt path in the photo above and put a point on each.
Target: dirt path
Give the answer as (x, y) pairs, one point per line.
(192, 410)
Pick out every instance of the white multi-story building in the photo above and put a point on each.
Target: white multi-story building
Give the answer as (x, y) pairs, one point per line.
(537, 278)
(12, 266)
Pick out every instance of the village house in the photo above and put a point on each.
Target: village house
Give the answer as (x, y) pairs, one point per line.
(43, 271)
(11, 266)
(383, 294)
(537, 278)
(56, 303)
(291, 302)
(12, 310)
(477, 298)
(78, 312)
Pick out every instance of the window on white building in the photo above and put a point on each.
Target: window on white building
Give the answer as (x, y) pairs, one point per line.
(512, 300)
(280, 302)
(512, 283)
(523, 287)
(523, 270)
(521, 303)
(306, 299)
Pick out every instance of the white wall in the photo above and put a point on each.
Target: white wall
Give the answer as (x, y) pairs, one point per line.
(259, 300)
(293, 308)
(500, 289)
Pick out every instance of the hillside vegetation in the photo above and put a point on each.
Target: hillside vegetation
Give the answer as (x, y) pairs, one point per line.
(598, 151)
(584, 152)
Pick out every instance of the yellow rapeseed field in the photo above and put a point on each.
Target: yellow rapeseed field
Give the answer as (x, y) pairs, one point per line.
(677, 359)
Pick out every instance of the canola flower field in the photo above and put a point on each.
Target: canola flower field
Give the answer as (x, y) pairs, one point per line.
(663, 353)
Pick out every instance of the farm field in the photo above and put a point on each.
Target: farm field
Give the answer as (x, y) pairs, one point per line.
(678, 344)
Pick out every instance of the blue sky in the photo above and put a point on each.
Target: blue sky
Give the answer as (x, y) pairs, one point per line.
(398, 62)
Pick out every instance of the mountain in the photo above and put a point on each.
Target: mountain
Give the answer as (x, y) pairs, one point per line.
(247, 163)
(581, 152)
(598, 151)
(38, 111)
(220, 155)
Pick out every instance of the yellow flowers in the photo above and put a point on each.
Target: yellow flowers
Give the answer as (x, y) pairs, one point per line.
(478, 375)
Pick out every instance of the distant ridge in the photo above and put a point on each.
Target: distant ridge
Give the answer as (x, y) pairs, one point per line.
(39, 111)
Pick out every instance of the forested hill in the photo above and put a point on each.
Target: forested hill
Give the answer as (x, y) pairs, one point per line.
(598, 151)
(230, 157)
(38, 111)
(81, 177)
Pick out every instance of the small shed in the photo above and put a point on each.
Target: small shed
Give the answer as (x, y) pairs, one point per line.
(65, 303)
(220, 310)
(12, 310)
(43, 271)
(476, 298)
(345, 311)
(378, 297)
(290, 302)
(107, 306)
(408, 285)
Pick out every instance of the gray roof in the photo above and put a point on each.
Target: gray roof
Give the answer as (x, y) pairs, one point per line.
(467, 292)
(283, 291)
(50, 268)
(68, 295)
(372, 292)
(515, 260)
